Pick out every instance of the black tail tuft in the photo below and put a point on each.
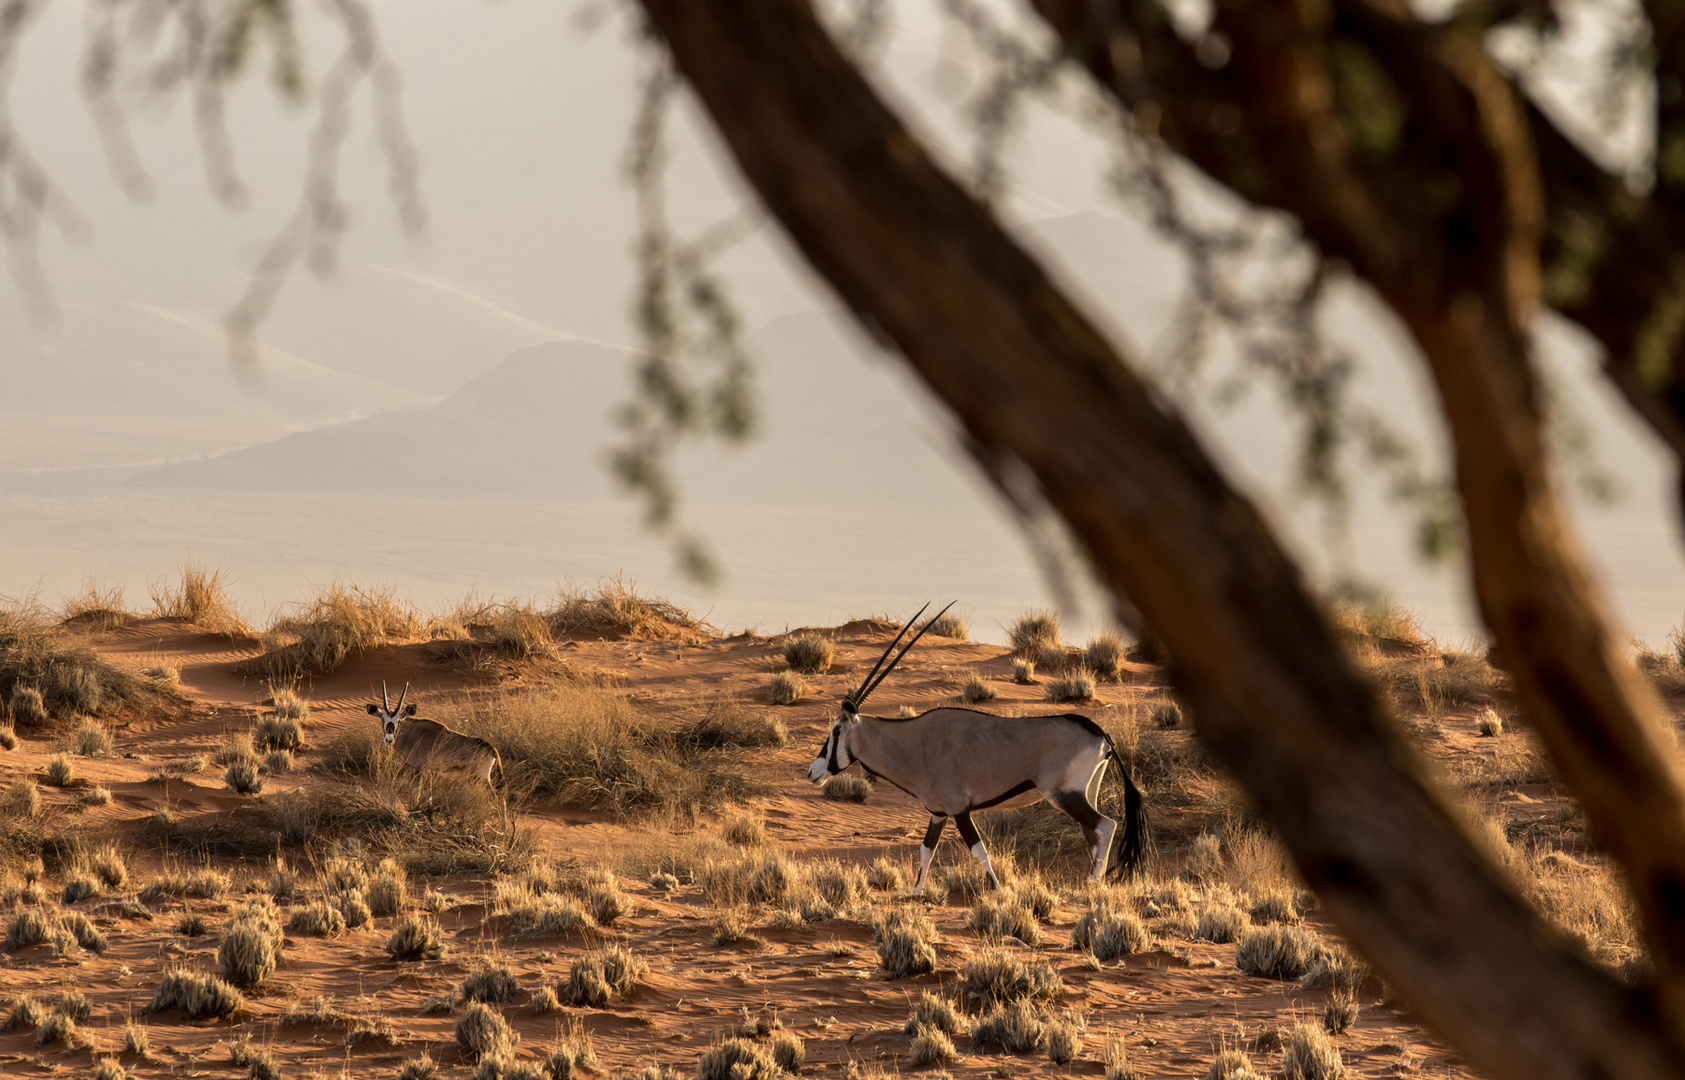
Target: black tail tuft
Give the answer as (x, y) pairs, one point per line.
(1130, 857)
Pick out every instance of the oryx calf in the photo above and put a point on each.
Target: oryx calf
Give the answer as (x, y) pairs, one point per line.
(958, 761)
(422, 742)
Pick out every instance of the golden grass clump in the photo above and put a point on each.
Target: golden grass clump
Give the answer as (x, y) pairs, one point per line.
(242, 778)
(416, 938)
(387, 891)
(1023, 671)
(1108, 929)
(737, 1059)
(1167, 716)
(97, 607)
(60, 770)
(847, 787)
(334, 624)
(251, 944)
(1340, 1011)
(1231, 1064)
(1065, 1038)
(885, 876)
(481, 1032)
(994, 976)
(27, 706)
(1489, 724)
(1310, 1056)
(1076, 686)
(275, 732)
(809, 654)
(744, 830)
(288, 705)
(616, 608)
(8, 737)
(491, 981)
(976, 689)
(93, 739)
(905, 940)
(789, 1052)
(197, 995)
(1016, 1028)
(200, 598)
(1220, 923)
(785, 688)
(1103, 655)
(1000, 915)
(316, 919)
(1034, 635)
(1115, 1058)
(136, 1040)
(933, 1012)
(1279, 952)
(1377, 623)
(595, 978)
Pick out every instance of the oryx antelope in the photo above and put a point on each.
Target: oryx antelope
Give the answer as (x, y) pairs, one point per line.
(422, 742)
(958, 761)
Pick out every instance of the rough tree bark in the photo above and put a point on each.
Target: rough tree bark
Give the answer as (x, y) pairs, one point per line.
(1029, 377)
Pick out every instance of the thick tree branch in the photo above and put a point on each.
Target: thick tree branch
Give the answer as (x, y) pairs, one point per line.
(1030, 378)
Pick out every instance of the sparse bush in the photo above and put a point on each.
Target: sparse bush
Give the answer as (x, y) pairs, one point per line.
(26, 1013)
(847, 787)
(744, 830)
(416, 938)
(201, 599)
(1274, 906)
(540, 913)
(98, 795)
(26, 706)
(76, 1005)
(109, 1069)
(388, 889)
(336, 623)
(1116, 1058)
(664, 881)
(789, 1052)
(998, 915)
(809, 654)
(885, 876)
(192, 924)
(82, 928)
(964, 879)
(60, 771)
(1205, 859)
(289, 706)
(316, 919)
(482, 1033)
(491, 981)
(279, 762)
(136, 1041)
(93, 739)
(1023, 671)
(1310, 1056)
(8, 737)
(1167, 716)
(905, 942)
(278, 733)
(57, 1027)
(930, 1046)
(242, 777)
(251, 944)
(1489, 724)
(976, 689)
(354, 908)
(616, 608)
(785, 688)
(167, 674)
(933, 1012)
(731, 925)
(606, 901)
(1220, 923)
(29, 927)
(421, 1068)
(1278, 952)
(1065, 1037)
(1108, 929)
(1035, 635)
(995, 975)
(725, 724)
(1103, 655)
(736, 1059)
(1076, 686)
(1339, 1012)
(197, 995)
(1017, 1028)
(1230, 1064)
(79, 885)
(594, 978)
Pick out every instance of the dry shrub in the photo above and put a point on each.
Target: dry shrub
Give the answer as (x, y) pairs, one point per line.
(288, 705)
(166, 674)
(278, 733)
(76, 1005)
(976, 689)
(950, 625)
(1023, 671)
(930, 1046)
(26, 1013)
(79, 885)
(591, 748)
(46, 670)
(1488, 724)
(279, 762)
(481, 1032)
(1001, 915)
(1146, 649)
(82, 929)
(617, 609)
(8, 737)
(97, 607)
(416, 938)
(1377, 623)
(785, 688)
(1310, 1056)
(1275, 906)
(251, 944)
(93, 739)
(316, 919)
(1231, 1064)
(965, 879)
(994, 975)
(847, 787)
(905, 940)
(730, 926)
(1103, 655)
(1016, 1028)
(60, 770)
(191, 924)
(605, 899)
(201, 598)
(1279, 952)
(1586, 900)
(842, 885)
(789, 1052)
(1339, 1012)
(594, 978)
(57, 1027)
(1167, 716)
(530, 912)
(885, 876)
(1204, 861)
(1116, 1058)
(491, 981)
(748, 878)
(736, 1059)
(242, 778)
(809, 654)
(27, 706)
(235, 746)
(1434, 683)
(934, 1013)
(1075, 687)
(334, 624)
(727, 724)
(744, 830)
(1220, 923)
(136, 1040)
(1108, 929)
(519, 630)
(197, 995)
(387, 891)
(1034, 635)
(1065, 1037)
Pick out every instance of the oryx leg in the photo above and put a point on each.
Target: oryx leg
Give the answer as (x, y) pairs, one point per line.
(932, 835)
(974, 841)
(1097, 828)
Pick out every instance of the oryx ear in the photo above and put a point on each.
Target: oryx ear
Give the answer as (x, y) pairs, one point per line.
(374, 710)
(409, 710)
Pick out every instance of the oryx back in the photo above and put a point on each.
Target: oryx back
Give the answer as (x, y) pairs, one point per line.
(428, 743)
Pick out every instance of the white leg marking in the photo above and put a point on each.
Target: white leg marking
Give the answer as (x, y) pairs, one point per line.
(924, 866)
(981, 854)
(1103, 847)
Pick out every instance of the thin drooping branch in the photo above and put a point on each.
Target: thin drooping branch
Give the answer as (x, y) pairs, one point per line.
(1461, 270)
(1029, 378)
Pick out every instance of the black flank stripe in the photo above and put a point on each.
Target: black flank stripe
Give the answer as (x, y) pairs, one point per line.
(997, 800)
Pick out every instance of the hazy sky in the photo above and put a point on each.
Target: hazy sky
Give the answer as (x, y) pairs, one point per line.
(521, 117)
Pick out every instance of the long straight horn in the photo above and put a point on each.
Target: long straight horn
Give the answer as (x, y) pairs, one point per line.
(905, 649)
(401, 696)
(385, 702)
(860, 695)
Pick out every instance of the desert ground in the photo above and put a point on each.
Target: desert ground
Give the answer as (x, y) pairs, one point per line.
(213, 867)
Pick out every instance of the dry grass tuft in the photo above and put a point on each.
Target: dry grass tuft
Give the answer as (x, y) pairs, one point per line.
(950, 625)
(1065, 1038)
(930, 1046)
(994, 976)
(1003, 915)
(251, 944)
(200, 598)
(60, 770)
(1231, 1064)
(1221, 923)
(1108, 929)
(27, 707)
(885, 876)
(905, 941)
(1034, 635)
(1167, 716)
(934, 1013)
(976, 689)
(1339, 1012)
(387, 891)
(789, 1052)
(481, 1032)
(1077, 686)
(330, 627)
(1310, 1056)
(1279, 952)
(278, 733)
(1103, 655)
(1489, 724)
(617, 609)
(736, 1059)
(595, 978)
(416, 938)
(1023, 671)
(744, 830)
(242, 777)
(847, 787)
(136, 1040)
(93, 739)
(197, 995)
(491, 981)
(316, 919)
(785, 688)
(1115, 1058)
(809, 654)
(1016, 1028)
(26, 1013)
